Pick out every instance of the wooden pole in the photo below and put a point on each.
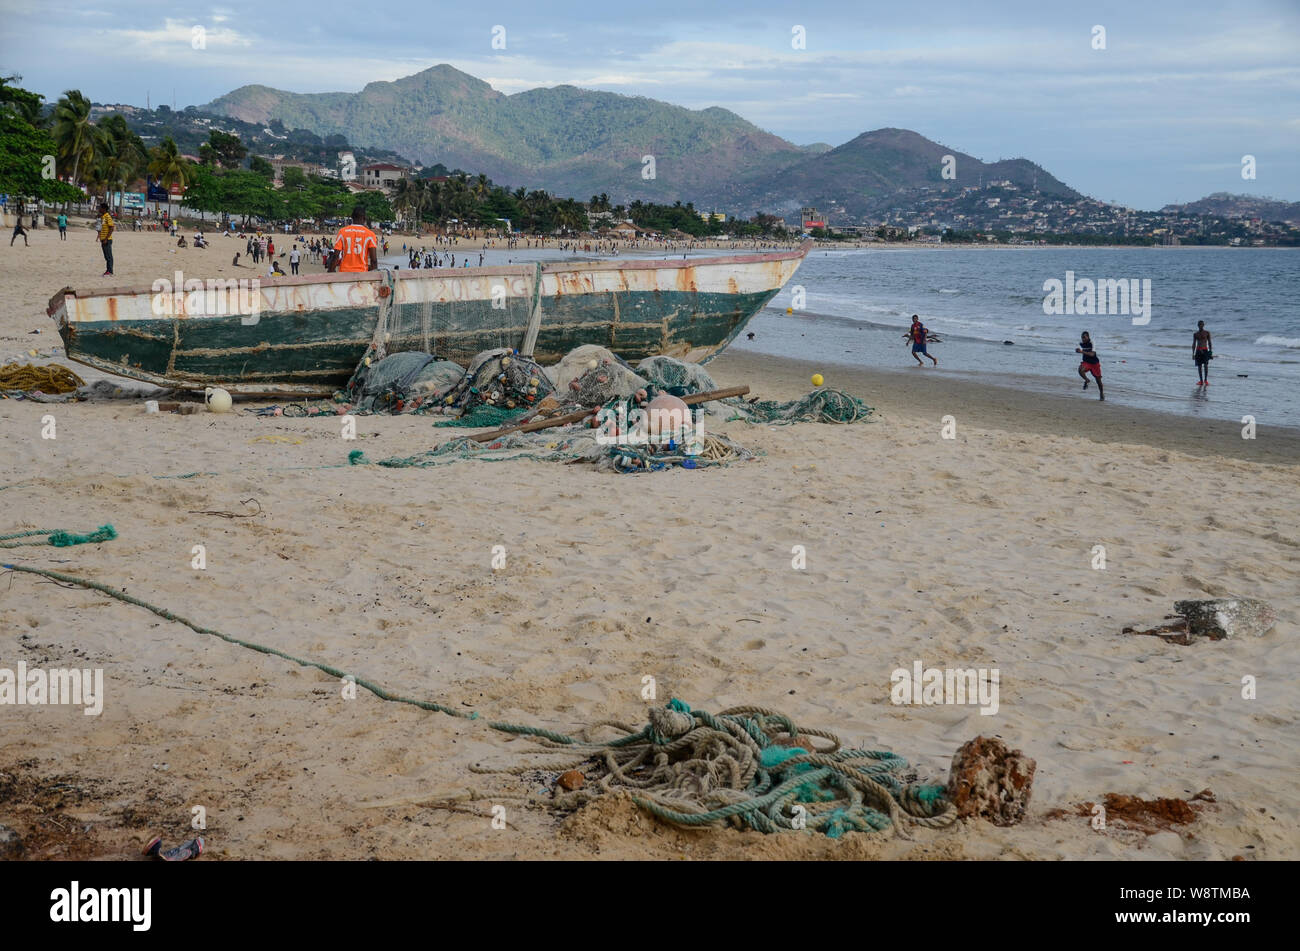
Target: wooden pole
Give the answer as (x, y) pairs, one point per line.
(564, 420)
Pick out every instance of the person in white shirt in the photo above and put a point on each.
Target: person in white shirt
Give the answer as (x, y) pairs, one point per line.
(293, 259)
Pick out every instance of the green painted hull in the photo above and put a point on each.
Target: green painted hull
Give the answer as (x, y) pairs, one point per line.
(308, 334)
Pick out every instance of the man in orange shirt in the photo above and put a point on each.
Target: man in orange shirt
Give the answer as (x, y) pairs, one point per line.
(356, 248)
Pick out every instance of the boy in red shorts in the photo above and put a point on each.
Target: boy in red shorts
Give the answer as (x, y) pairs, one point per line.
(1091, 364)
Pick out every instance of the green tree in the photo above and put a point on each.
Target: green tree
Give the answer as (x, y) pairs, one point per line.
(21, 102)
(376, 205)
(261, 166)
(227, 148)
(23, 151)
(167, 166)
(122, 156)
(74, 133)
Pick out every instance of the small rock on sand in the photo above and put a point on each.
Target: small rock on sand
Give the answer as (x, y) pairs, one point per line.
(989, 780)
(571, 780)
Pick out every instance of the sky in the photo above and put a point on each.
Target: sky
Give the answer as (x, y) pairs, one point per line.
(1166, 112)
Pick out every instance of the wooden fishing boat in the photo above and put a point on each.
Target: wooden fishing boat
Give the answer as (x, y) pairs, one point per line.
(306, 334)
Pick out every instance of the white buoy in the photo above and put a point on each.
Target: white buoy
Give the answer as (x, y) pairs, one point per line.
(218, 400)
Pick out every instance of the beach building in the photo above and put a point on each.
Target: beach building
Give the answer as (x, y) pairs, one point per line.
(279, 163)
(383, 174)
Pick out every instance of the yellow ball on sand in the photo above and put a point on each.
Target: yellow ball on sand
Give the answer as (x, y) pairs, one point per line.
(817, 379)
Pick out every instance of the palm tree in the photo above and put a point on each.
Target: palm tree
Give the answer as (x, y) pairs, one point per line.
(426, 199)
(121, 155)
(404, 195)
(167, 165)
(74, 135)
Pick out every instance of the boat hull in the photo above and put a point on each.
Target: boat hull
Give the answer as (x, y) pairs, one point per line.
(306, 334)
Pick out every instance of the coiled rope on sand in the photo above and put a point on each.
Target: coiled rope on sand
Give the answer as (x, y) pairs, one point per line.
(53, 378)
(747, 766)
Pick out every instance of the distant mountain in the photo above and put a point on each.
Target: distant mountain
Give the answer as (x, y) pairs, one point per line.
(889, 168)
(576, 142)
(1225, 205)
(570, 141)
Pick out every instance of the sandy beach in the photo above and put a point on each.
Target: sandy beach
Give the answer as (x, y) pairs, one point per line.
(975, 551)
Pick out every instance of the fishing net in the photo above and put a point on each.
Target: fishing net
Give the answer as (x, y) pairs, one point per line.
(592, 376)
(819, 406)
(484, 415)
(500, 379)
(453, 314)
(676, 377)
(569, 446)
(401, 382)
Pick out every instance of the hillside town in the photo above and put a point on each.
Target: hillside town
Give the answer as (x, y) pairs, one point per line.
(406, 195)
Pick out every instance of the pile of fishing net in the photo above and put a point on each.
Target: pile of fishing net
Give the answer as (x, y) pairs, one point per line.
(401, 383)
(499, 385)
(676, 376)
(747, 767)
(591, 375)
(823, 405)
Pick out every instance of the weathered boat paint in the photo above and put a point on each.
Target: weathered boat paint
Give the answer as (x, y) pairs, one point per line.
(307, 333)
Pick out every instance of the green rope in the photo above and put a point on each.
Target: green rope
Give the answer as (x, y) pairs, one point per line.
(729, 755)
(59, 538)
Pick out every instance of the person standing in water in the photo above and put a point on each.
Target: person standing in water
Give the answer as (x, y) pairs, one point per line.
(1202, 353)
(1091, 363)
(918, 335)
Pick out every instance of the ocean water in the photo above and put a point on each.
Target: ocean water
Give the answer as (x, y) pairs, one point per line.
(858, 303)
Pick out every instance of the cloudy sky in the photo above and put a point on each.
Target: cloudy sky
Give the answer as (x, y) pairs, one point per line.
(1164, 113)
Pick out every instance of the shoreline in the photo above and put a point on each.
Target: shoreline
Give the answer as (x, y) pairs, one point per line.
(929, 393)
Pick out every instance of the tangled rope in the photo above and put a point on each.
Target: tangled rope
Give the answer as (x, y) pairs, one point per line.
(689, 767)
(751, 767)
(59, 538)
(53, 378)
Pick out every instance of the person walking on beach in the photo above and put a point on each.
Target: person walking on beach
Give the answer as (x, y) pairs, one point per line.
(1091, 364)
(19, 230)
(356, 248)
(293, 259)
(918, 335)
(63, 227)
(1202, 353)
(106, 227)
